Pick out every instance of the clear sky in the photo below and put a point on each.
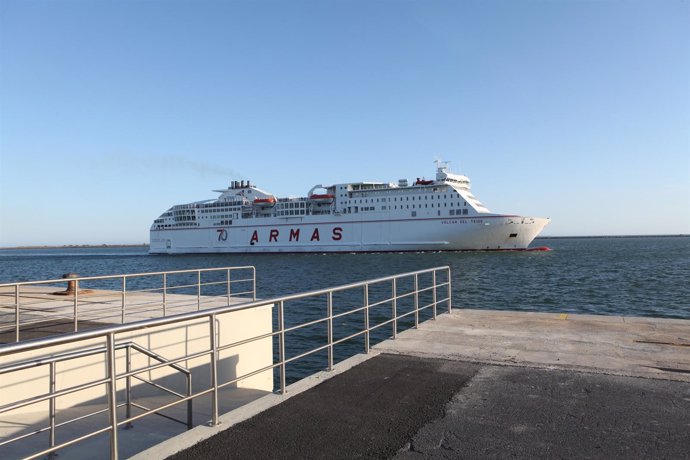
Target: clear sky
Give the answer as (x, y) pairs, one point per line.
(112, 111)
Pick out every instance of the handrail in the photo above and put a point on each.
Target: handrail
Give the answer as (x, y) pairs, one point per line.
(81, 303)
(81, 354)
(83, 335)
(52, 395)
(394, 289)
(128, 275)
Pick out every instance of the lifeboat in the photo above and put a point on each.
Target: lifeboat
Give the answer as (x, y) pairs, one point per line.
(423, 182)
(325, 198)
(265, 202)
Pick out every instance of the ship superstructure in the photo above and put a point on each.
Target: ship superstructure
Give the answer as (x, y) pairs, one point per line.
(424, 215)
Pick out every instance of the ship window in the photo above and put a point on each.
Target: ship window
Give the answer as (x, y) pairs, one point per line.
(464, 211)
(513, 235)
(414, 213)
(452, 212)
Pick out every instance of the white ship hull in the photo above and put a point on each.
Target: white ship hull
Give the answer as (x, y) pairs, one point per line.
(430, 215)
(490, 232)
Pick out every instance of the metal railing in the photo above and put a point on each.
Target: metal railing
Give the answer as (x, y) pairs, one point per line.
(396, 301)
(36, 308)
(52, 394)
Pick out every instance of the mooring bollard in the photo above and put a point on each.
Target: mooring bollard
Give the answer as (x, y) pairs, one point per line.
(72, 284)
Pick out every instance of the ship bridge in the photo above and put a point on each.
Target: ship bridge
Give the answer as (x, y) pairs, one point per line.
(444, 175)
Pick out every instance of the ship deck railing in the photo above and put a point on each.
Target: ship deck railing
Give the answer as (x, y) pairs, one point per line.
(40, 308)
(308, 326)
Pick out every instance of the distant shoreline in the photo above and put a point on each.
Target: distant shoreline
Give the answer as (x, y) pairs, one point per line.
(144, 245)
(77, 246)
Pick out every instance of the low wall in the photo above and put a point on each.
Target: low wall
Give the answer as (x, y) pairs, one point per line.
(170, 341)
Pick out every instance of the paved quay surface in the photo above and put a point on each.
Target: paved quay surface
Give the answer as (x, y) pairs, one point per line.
(485, 384)
(395, 406)
(628, 346)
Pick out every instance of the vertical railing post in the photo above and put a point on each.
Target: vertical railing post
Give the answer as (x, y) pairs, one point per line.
(112, 394)
(214, 370)
(366, 318)
(253, 283)
(416, 301)
(124, 299)
(52, 408)
(394, 307)
(329, 308)
(190, 413)
(198, 290)
(229, 288)
(76, 305)
(165, 294)
(128, 386)
(450, 295)
(433, 281)
(16, 313)
(281, 344)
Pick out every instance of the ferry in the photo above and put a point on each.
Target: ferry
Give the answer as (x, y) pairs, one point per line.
(421, 215)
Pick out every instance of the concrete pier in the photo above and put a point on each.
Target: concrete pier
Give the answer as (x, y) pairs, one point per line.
(45, 311)
(618, 345)
(478, 384)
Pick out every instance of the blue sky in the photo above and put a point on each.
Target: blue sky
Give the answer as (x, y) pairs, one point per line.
(110, 112)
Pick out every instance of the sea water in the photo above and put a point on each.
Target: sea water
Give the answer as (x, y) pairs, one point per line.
(626, 276)
(630, 276)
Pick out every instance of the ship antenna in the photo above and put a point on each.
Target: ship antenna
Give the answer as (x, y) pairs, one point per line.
(440, 164)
